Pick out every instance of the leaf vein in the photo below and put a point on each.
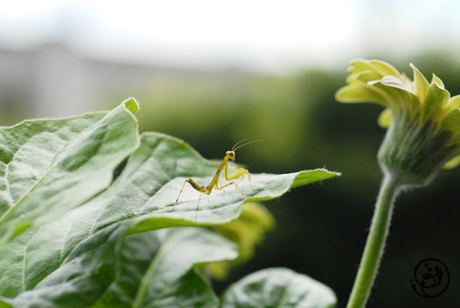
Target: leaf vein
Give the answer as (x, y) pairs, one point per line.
(150, 271)
(24, 261)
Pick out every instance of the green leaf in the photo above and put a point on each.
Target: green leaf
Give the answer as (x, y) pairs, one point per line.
(147, 187)
(278, 287)
(50, 168)
(29, 148)
(152, 269)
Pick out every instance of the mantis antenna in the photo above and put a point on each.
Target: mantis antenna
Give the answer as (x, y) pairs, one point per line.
(233, 149)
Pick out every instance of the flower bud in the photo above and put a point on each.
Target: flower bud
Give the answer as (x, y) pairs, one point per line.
(423, 121)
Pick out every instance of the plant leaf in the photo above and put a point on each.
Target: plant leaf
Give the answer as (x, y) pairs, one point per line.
(278, 287)
(147, 187)
(28, 149)
(76, 168)
(151, 269)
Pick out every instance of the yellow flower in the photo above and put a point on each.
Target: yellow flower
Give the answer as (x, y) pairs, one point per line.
(420, 115)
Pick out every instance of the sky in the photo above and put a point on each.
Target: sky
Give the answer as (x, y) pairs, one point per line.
(268, 36)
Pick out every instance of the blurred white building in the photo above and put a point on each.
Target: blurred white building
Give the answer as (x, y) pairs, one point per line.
(55, 81)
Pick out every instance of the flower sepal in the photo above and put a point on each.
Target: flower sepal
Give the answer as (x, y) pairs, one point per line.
(414, 154)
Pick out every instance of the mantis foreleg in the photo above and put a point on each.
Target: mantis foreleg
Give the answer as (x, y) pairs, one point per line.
(237, 174)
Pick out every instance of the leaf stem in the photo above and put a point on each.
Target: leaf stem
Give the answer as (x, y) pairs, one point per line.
(375, 242)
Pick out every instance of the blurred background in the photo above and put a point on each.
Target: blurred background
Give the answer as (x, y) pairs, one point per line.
(213, 73)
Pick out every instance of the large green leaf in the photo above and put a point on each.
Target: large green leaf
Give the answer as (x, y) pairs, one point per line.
(148, 187)
(151, 269)
(158, 269)
(280, 288)
(51, 166)
(64, 240)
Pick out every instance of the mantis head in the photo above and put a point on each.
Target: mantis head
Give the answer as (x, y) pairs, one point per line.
(231, 155)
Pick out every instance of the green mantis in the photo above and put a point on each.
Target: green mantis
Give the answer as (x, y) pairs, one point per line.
(215, 181)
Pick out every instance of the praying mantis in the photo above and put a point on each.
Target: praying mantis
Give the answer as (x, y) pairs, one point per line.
(215, 181)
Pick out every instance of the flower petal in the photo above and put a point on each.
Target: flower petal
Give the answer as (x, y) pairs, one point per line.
(435, 99)
(455, 139)
(385, 69)
(359, 65)
(421, 84)
(454, 102)
(454, 162)
(436, 79)
(399, 99)
(394, 82)
(361, 93)
(385, 118)
(380, 67)
(365, 76)
(450, 122)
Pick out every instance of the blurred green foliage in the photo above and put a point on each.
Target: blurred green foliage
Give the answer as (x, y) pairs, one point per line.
(214, 112)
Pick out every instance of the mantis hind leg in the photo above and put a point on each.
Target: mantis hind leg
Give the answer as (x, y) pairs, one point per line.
(217, 185)
(196, 186)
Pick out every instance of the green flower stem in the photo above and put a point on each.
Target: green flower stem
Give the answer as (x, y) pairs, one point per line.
(375, 243)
